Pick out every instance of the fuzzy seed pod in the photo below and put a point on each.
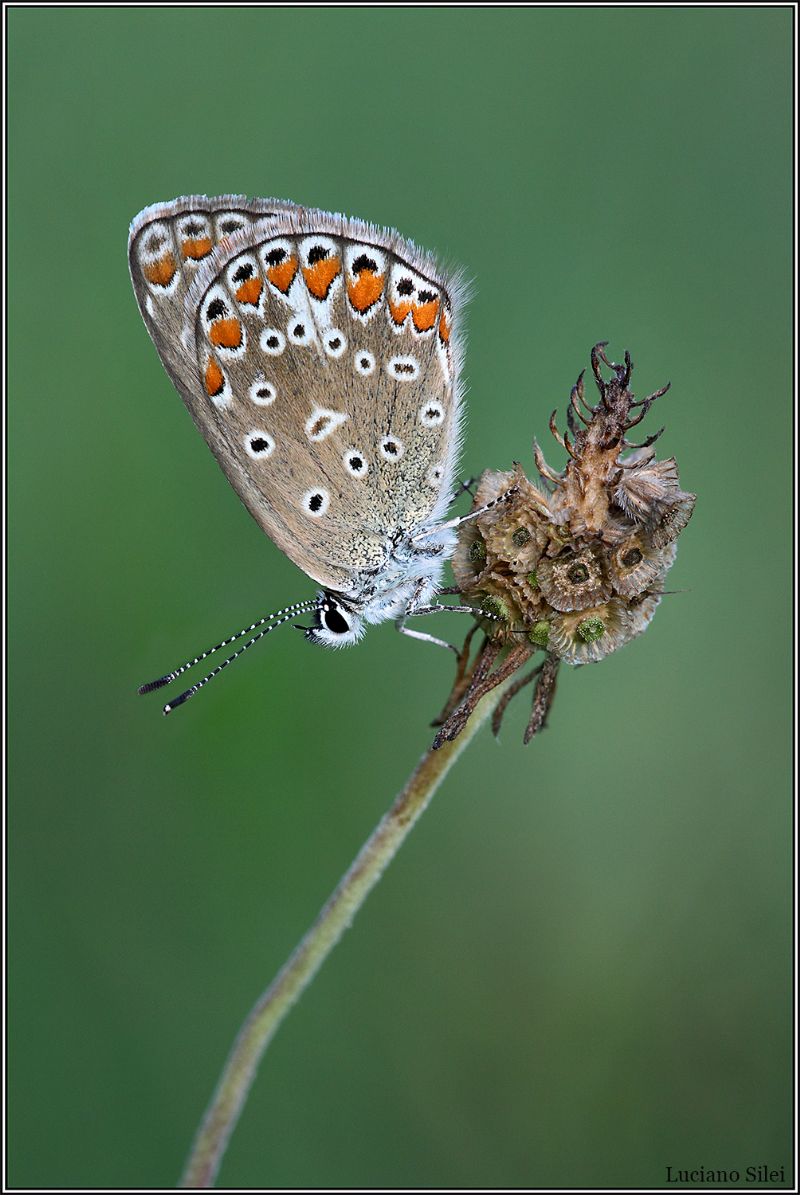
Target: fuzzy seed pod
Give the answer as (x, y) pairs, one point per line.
(575, 580)
(636, 564)
(584, 636)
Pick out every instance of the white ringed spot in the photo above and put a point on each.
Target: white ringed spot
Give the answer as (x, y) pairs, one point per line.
(391, 448)
(315, 502)
(431, 413)
(335, 342)
(322, 423)
(355, 462)
(434, 476)
(403, 369)
(259, 444)
(227, 223)
(364, 363)
(263, 393)
(299, 331)
(273, 342)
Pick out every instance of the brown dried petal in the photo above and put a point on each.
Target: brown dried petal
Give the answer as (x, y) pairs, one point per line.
(640, 611)
(644, 490)
(567, 642)
(470, 558)
(529, 597)
(574, 580)
(673, 520)
(635, 563)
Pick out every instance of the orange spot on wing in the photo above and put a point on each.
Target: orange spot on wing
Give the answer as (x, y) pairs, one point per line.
(215, 379)
(250, 291)
(283, 274)
(196, 248)
(399, 311)
(424, 316)
(366, 290)
(444, 328)
(227, 333)
(320, 276)
(160, 272)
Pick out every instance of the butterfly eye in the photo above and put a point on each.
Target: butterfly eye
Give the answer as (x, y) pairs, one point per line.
(334, 620)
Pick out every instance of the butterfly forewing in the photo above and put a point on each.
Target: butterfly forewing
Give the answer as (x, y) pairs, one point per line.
(316, 355)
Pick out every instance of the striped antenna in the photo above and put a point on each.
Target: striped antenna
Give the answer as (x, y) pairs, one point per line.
(506, 496)
(277, 619)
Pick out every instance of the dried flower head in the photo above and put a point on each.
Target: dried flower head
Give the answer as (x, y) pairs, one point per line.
(575, 565)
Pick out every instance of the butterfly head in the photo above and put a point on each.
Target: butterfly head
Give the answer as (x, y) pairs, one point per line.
(335, 625)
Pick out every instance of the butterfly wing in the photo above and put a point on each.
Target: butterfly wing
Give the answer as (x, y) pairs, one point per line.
(317, 356)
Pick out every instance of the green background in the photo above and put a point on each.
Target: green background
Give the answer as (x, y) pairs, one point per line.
(577, 972)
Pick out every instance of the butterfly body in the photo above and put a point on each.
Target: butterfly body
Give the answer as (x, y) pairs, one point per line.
(319, 358)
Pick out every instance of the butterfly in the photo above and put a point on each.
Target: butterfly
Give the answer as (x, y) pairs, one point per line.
(320, 357)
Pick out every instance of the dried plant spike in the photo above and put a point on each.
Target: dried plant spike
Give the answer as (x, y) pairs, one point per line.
(542, 467)
(543, 696)
(458, 719)
(597, 356)
(575, 398)
(651, 398)
(554, 429)
(511, 691)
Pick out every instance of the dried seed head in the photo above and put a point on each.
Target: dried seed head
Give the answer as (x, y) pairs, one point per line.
(570, 561)
(574, 566)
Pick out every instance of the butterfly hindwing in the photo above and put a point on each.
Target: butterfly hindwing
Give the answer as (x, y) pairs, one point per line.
(317, 356)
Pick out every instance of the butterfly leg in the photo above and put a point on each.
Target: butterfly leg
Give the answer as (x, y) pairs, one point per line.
(414, 608)
(404, 630)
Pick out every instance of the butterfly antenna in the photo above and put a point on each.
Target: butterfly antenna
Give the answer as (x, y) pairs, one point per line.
(506, 496)
(282, 615)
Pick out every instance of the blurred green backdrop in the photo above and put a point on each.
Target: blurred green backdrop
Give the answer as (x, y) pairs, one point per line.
(578, 970)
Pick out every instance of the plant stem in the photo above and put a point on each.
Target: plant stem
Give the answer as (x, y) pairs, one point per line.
(258, 1030)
